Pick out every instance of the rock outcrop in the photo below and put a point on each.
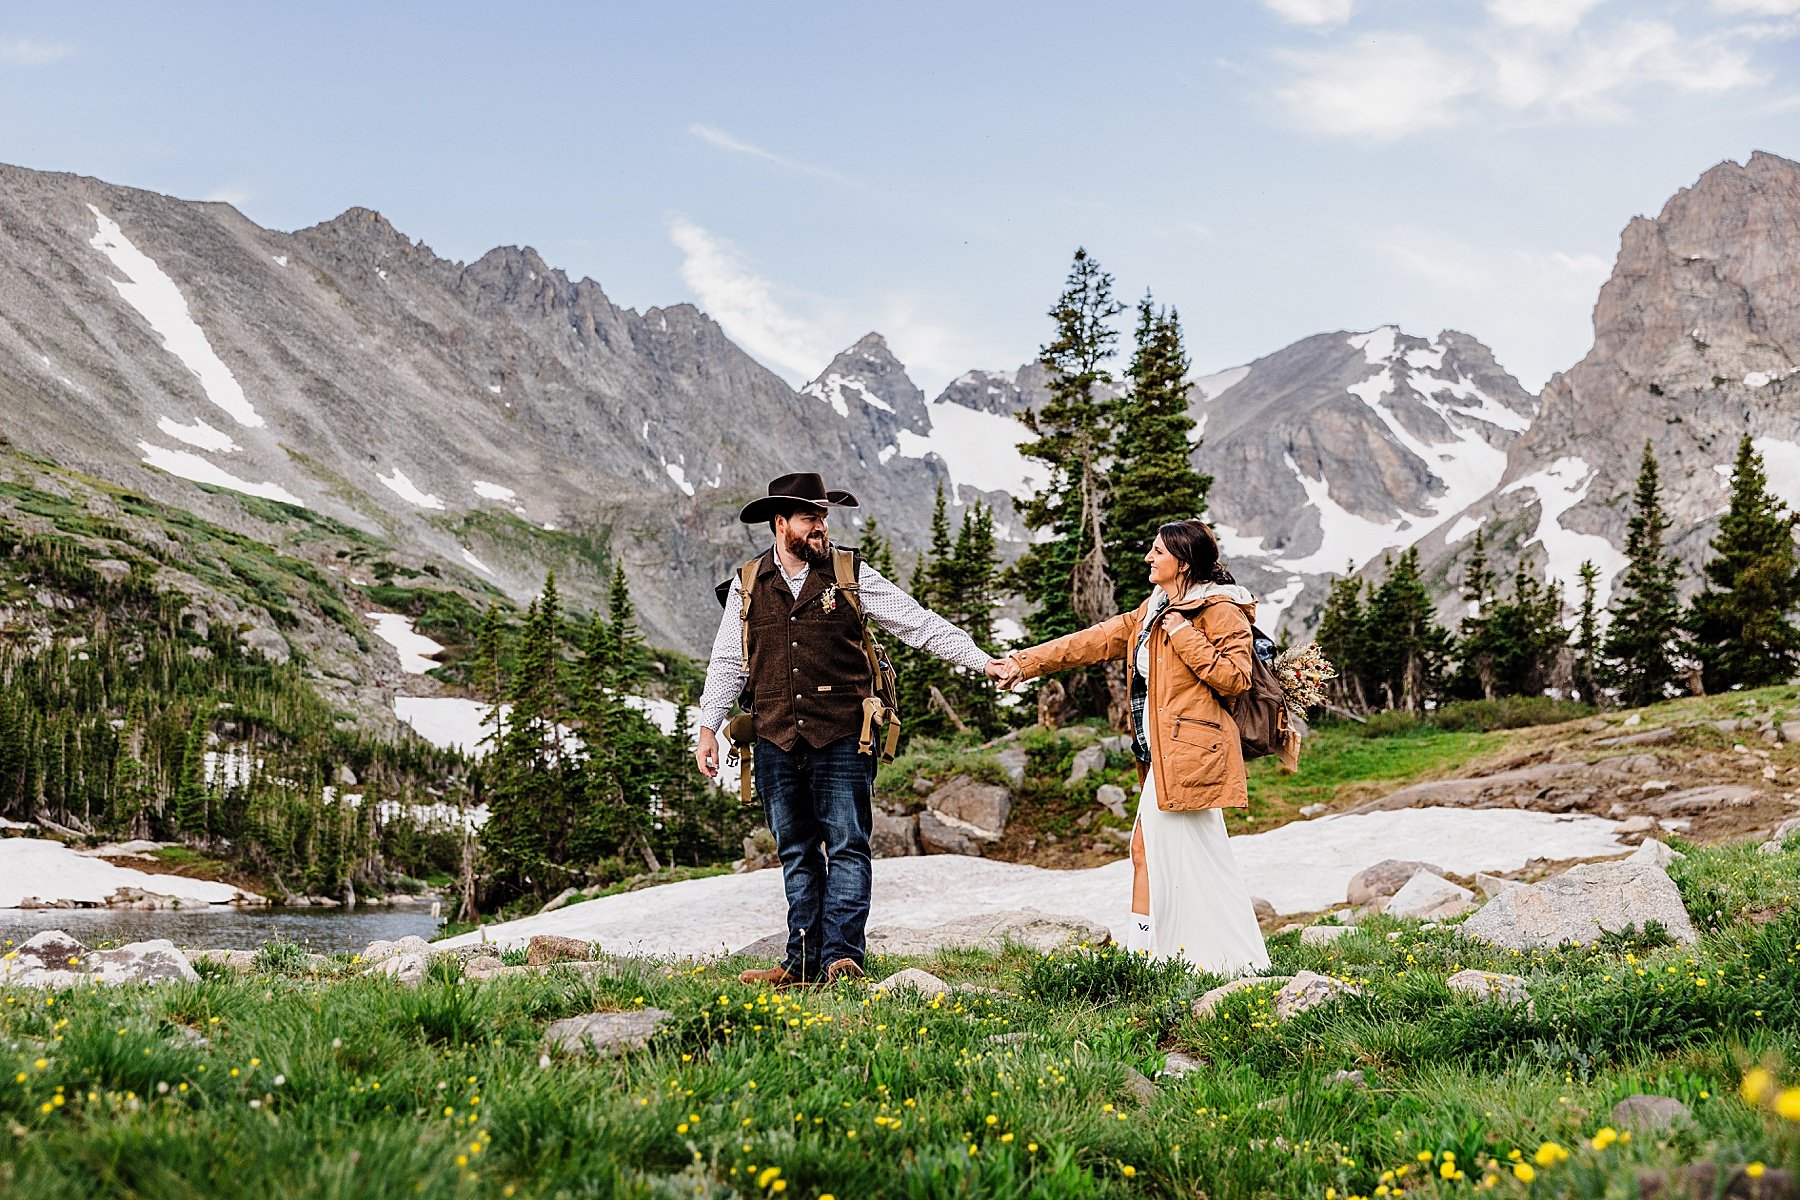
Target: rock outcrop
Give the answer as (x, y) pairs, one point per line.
(1580, 905)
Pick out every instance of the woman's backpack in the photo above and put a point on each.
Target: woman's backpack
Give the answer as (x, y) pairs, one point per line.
(1261, 711)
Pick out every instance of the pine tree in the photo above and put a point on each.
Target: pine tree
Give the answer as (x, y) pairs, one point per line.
(1586, 637)
(1515, 648)
(1341, 638)
(1642, 637)
(922, 676)
(1152, 479)
(489, 677)
(1065, 577)
(965, 593)
(527, 814)
(877, 551)
(1741, 622)
(1405, 644)
(190, 799)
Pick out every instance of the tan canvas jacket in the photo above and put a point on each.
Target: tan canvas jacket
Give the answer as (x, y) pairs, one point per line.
(1194, 747)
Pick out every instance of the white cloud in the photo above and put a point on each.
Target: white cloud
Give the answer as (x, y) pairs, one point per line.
(1315, 13)
(1382, 88)
(718, 137)
(1535, 62)
(1551, 16)
(745, 304)
(29, 52)
(1760, 8)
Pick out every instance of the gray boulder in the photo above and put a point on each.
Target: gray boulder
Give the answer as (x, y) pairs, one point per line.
(990, 931)
(1492, 986)
(1787, 829)
(375, 952)
(1324, 935)
(1384, 879)
(1649, 1114)
(1012, 760)
(1087, 761)
(1208, 1003)
(1428, 896)
(1700, 799)
(924, 983)
(1492, 885)
(408, 967)
(1112, 798)
(1263, 909)
(606, 1035)
(50, 960)
(895, 837)
(1580, 905)
(1176, 1064)
(1655, 853)
(154, 961)
(1307, 991)
(940, 834)
(983, 806)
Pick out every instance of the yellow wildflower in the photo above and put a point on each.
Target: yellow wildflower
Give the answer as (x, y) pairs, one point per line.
(1788, 1103)
(1524, 1172)
(1757, 1086)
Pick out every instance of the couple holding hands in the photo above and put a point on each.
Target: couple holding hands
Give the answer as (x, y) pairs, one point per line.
(800, 655)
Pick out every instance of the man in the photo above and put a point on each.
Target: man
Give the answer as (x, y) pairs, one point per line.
(809, 676)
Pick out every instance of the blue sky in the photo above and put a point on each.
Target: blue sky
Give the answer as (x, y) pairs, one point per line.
(809, 172)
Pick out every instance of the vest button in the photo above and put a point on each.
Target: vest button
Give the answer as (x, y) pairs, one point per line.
(796, 695)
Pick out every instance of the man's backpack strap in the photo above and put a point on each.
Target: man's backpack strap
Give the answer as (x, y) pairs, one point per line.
(876, 710)
(740, 731)
(746, 587)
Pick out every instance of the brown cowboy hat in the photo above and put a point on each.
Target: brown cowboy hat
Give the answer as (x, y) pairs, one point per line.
(804, 487)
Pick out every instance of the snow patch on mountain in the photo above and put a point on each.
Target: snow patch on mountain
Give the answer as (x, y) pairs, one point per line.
(1559, 487)
(1345, 537)
(1270, 607)
(187, 465)
(198, 434)
(679, 476)
(156, 298)
(1211, 387)
(404, 488)
(417, 652)
(980, 449)
(835, 390)
(1781, 463)
(1462, 528)
(493, 491)
(469, 557)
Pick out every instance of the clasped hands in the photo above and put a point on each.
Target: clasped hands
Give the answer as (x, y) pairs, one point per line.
(1005, 672)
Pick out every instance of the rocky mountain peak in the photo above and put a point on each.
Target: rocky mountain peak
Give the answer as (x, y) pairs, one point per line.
(1696, 341)
(868, 386)
(362, 235)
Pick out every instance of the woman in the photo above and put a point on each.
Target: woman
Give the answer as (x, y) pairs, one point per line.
(1185, 648)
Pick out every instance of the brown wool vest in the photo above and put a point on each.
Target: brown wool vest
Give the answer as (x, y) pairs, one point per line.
(808, 673)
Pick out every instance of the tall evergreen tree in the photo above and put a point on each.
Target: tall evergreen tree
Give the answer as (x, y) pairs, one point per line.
(190, 799)
(1342, 638)
(1515, 647)
(1586, 637)
(1741, 622)
(1642, 639)
(1152, 478)
(1406, 646)
(1065, 577)
(965, 592)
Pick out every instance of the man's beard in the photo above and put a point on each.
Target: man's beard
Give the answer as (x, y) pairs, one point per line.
(812, 553)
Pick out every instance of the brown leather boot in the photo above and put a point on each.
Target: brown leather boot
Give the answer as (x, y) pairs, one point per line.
(771, 977)
(843, 969)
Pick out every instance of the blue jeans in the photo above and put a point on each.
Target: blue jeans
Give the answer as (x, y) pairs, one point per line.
(811, 797)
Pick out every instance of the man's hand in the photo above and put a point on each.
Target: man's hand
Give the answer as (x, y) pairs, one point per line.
(1005, 672)
(707, 756)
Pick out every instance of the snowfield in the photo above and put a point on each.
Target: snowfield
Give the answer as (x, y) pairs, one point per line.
(1300, 867)
(36, 868)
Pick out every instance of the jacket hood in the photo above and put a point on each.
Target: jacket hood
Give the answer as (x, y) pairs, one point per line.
(1207, 593)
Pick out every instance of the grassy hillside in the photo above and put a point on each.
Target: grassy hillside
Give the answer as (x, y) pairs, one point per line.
(334, 1085)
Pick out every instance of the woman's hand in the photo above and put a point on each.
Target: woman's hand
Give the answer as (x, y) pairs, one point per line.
(1005, 672)
(1174, 621)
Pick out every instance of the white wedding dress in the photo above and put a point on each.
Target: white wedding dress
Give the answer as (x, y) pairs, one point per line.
(1200, 909)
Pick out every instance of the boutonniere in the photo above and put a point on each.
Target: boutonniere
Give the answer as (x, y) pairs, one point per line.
(828, 600)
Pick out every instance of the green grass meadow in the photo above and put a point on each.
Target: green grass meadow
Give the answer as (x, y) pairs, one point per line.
(336, 1085)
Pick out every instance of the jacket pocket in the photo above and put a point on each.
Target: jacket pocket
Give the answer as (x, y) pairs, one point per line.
(1197, 757)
